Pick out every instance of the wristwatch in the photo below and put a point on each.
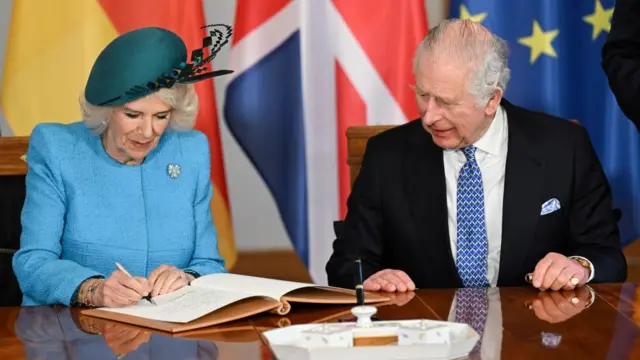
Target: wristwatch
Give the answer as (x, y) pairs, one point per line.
(584, 264)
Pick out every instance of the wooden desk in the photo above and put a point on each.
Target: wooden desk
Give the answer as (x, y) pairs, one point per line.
(608, 329)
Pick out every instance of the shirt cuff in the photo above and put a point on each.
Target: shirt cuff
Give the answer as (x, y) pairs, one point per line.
(593, 270)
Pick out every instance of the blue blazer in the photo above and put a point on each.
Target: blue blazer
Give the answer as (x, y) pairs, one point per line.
(84, 211)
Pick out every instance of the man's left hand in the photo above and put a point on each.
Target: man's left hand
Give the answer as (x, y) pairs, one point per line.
(555, 271)
(558, 306)
(166, 279)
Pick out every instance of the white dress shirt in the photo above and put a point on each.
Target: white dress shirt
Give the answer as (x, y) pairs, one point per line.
(491, 156)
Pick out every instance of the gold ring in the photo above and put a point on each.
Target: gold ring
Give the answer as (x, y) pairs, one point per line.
(575, 300)
(574, 281)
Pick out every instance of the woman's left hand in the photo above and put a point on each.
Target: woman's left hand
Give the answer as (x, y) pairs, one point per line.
(166, 279)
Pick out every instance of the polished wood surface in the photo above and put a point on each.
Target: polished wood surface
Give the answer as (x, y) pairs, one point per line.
(632, 254)
(527, 325)
(13, 150)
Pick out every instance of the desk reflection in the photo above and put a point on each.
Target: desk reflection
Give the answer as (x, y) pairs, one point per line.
(558, 306)
(511, 315)
(522, 323)
(59, 333)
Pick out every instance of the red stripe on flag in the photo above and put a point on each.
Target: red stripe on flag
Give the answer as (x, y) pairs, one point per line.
(185, 19)
(389, 35)
(351, 111)
(250, 14)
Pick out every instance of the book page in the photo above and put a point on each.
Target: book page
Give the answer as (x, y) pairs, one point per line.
(249, 284)
(183, 305)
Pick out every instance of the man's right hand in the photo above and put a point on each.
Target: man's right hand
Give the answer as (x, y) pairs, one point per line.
(120, 290)
(389, 280)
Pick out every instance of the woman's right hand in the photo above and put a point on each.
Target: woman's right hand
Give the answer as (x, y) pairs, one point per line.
(120, 290)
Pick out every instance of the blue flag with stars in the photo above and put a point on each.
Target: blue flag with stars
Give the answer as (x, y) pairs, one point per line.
(555, 53)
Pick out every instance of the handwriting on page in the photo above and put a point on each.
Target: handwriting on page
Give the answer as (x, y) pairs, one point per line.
(182, 306)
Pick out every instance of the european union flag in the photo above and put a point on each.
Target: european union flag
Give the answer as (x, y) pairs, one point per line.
(555, 67)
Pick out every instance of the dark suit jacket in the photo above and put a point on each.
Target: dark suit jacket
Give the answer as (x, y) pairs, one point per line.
(621, 57)
(397, 210)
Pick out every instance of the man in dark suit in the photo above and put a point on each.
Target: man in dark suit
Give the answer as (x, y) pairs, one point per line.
(621, 57)
(478, 192)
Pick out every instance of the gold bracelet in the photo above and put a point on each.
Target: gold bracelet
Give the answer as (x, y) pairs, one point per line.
(85, 297)
(82, 297)
(91, 288)
(82, 293)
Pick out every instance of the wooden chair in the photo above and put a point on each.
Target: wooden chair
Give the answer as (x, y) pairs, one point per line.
(13, 169)
(357, 137)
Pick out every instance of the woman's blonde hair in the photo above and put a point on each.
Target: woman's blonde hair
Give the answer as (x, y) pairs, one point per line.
(182, 98)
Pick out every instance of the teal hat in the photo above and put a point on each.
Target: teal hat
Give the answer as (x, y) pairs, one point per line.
(145, 60)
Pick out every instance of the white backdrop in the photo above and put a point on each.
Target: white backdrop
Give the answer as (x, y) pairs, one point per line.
(256, 223)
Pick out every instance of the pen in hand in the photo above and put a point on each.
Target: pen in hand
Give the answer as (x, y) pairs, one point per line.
(121, 268)
(359, 286)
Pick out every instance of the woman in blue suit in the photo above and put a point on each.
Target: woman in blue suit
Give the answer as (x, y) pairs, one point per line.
(128, 184)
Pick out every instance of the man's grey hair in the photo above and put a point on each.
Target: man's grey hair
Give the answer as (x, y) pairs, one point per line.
(470, 43)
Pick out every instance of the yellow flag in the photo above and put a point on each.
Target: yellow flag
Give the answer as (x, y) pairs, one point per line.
(50, 50)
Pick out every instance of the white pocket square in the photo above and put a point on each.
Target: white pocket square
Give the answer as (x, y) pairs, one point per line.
(550, 206)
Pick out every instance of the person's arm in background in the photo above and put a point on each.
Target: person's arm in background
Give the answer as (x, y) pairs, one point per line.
(42, 275)
(621, 58)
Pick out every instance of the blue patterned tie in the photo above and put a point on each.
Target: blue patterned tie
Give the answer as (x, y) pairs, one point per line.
(472, 235)
(472, 308)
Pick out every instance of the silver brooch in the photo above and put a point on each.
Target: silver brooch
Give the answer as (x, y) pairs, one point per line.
(173, 170)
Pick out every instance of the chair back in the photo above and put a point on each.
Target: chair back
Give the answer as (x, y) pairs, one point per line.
(357, 138)
(13, 168)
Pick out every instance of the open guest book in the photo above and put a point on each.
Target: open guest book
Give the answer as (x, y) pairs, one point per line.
(220, 298)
